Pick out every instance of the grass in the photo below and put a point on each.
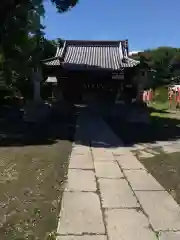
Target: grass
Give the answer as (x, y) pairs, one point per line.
(166, 169)
(31, 182)
(160, 105)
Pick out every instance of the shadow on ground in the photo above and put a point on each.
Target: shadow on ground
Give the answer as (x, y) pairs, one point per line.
(162, 126)
(15, 132)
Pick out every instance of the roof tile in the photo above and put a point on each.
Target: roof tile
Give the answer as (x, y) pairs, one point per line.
(85, 54)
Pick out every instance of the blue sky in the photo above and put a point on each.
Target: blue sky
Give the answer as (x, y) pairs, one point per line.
(145, 23)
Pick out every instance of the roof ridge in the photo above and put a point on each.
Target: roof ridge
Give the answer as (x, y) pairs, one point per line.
(93, 42)
(75, 40)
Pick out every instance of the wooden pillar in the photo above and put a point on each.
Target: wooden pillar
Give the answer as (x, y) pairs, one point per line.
(119, 79)
(61, 77)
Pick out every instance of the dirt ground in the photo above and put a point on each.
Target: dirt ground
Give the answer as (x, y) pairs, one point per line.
(166, 169)
(162, 126)
(32, 171)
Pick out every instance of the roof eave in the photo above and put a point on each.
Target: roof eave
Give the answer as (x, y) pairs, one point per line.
(51, 59)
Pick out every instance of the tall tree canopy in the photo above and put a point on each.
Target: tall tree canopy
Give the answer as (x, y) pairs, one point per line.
(166, 62)
(22, 42)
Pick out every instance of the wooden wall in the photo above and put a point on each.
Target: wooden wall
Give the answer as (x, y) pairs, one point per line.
(76, 83)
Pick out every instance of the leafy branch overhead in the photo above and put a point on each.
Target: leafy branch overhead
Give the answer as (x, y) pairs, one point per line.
(64, 5)
(22, 41)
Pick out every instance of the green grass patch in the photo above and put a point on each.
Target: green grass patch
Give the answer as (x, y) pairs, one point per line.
(160, 105)
(161, 94)
(159, 114)
(160, 100)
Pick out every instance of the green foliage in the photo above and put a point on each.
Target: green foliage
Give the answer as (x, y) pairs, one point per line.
(22, 42)
(166, 62)
(161, 94)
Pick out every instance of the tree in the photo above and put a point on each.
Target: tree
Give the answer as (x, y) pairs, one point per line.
(22, 39)
(164, 60)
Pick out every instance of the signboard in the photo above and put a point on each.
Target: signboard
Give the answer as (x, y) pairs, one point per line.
(129, 86)
(118, 77)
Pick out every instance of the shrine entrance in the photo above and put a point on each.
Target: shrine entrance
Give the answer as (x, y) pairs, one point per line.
(94, 72)
(90, 88)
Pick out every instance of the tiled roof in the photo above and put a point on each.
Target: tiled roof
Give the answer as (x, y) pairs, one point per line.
(110, 55)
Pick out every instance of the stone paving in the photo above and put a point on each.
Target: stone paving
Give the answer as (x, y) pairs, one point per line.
(109, 195)
(152, 149)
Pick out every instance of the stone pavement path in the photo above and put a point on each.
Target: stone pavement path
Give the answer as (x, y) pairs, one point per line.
(148, 150)
(109, 195)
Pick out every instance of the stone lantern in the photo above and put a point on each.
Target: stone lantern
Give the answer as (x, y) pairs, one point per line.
(53, 82)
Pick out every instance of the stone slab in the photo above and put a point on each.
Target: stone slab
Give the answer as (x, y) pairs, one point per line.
(79, 149)
(121, 151)
(79, 146)
(116, 193)
(103, 158)
(129, 162)
(128, 224)
(176, 146)
(109, 169)
(163, 211)
(138, 146)
(80, 213)
(81, 152)
(84, 237)
(100, 145)
(144, 154)
(81, 162)
(80, 180)
(142, 180)
(169, 236)
(161, 143)
(153, 151)
(100, 150)
(169, 149)
(102, 154)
